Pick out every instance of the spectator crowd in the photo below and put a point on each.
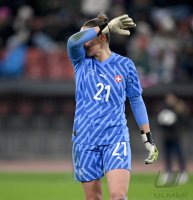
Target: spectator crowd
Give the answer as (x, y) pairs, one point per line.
(33, 37)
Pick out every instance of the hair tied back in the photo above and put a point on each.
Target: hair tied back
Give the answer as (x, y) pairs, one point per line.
(102, 18)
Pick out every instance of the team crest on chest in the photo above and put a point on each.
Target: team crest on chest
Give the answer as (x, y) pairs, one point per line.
(118, 78)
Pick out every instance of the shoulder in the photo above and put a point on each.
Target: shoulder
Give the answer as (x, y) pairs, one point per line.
(126, 63)
(124, 59)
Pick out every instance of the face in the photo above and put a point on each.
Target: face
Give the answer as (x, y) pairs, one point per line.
(92, 47)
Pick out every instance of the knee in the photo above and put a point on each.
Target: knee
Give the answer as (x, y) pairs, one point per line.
(118, 196)
(94, 196)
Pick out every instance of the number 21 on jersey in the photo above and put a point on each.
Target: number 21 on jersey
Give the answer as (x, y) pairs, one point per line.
(101, 88)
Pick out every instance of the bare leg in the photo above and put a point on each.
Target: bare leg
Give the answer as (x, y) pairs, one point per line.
(118, 183)
(92, 190)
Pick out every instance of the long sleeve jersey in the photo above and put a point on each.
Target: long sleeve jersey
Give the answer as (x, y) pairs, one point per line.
(101, 91)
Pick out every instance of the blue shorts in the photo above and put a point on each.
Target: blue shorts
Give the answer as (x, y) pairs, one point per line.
(92, 162)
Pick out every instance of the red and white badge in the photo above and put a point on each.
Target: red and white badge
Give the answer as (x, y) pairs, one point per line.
(118, 78)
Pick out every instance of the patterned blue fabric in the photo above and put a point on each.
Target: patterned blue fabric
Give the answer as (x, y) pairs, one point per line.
(100, 99)
(100, 133)
(92, 162)
(101, 90)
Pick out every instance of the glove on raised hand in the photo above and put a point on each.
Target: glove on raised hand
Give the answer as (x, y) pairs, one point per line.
(119, 25)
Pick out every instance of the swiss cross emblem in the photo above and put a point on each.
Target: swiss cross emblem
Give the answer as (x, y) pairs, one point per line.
(118, 78)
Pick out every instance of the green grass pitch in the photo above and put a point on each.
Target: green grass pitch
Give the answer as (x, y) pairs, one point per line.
(61, 186)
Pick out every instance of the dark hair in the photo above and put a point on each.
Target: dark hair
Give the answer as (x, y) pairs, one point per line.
(101, 20)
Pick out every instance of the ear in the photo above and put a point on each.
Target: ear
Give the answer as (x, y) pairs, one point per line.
(102, 37)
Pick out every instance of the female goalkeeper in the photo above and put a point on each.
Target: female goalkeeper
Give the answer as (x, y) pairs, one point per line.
(100, 134)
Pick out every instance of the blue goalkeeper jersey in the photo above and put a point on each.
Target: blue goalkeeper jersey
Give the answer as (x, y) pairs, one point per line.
(101, 90)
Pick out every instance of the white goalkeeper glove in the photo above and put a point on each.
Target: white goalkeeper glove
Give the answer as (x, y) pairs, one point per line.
(119, 25)
(151, 148)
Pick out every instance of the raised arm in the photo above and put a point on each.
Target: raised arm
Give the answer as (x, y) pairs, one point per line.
(75, 43)
(117, 25)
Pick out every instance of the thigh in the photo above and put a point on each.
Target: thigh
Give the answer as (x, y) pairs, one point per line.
(87, 162)
(118, 183)
(117, 162)
(92, 190)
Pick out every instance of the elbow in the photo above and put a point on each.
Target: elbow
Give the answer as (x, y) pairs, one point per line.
(71, 43)
(74, 42)
(136, 100)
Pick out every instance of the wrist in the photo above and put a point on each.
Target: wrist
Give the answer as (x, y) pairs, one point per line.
(147, 137)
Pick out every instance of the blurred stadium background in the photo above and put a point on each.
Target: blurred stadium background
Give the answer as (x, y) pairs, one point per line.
(37, 81)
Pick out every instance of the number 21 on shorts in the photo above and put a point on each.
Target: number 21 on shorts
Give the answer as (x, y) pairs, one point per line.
(117, 149)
